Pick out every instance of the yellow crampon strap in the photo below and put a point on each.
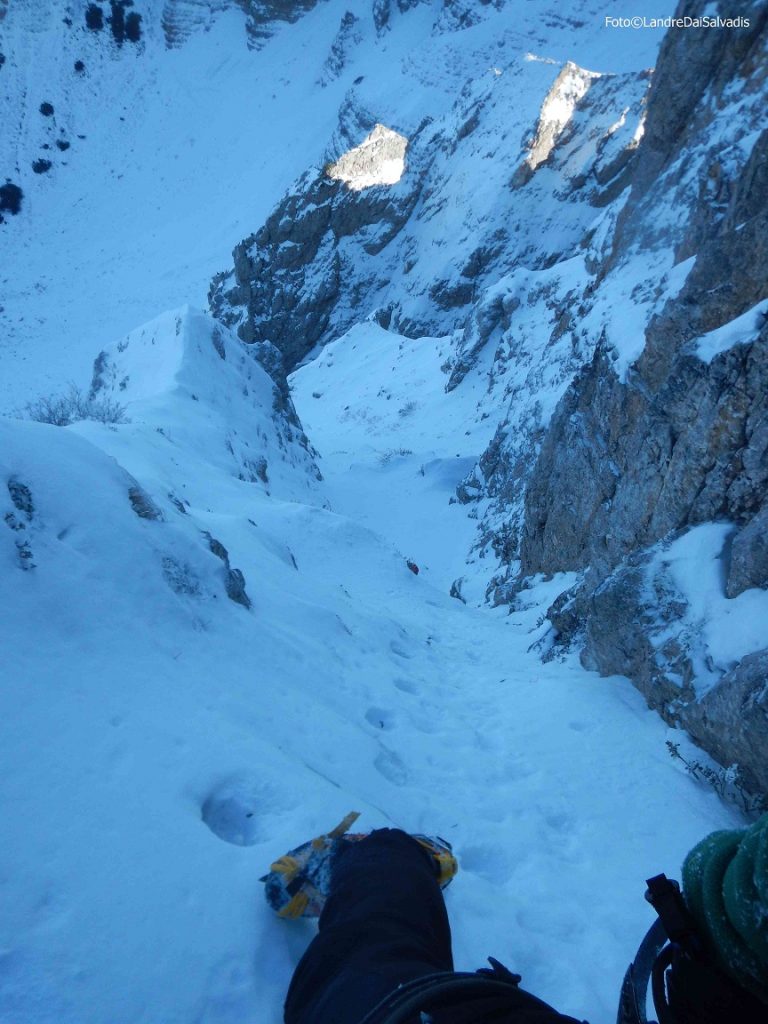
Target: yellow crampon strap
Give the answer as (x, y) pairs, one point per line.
(295, 907)
(287, 866)
(344, 826)
(290, 867)
(446, 862)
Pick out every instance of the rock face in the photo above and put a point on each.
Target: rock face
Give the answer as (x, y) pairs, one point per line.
(347, 38)
(673, 431)
(385, 231)
(749, 557)
(731, 721)
(681, 438)
(263, 13)
(378, 160)
(288, 279)
(182, 18)
(18, 519)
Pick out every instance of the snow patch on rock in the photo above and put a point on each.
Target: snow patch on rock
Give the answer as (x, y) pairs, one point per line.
(738, 331)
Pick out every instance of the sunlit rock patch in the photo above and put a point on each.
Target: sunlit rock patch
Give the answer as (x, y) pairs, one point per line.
(378, 160)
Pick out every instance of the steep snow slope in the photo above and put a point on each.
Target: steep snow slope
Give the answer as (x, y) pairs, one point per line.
(211, 654)
(394, 444)
(163, 742)
(197, 394)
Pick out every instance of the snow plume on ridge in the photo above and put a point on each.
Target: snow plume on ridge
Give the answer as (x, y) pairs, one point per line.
(206, 437)
(188, 380)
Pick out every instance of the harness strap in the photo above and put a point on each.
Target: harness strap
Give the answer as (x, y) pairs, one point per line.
(406, 1000)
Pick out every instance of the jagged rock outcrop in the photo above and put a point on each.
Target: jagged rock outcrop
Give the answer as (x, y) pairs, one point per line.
(378, 160)
(180, 19)
(578, 153)
(289, 278)
(263, 13)
(385, 231)
(645, 620)
(682, 438)
(342, 48)
(384, 9)
(19, 519)
(749, 556)
(653, 455)
(234, 580)
(570, 86)
(695, 67)
(451, 14)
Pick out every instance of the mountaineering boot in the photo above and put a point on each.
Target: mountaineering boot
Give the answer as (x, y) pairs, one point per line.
(298, 883)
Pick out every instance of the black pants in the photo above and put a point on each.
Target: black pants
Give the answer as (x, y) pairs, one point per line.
(384, 924)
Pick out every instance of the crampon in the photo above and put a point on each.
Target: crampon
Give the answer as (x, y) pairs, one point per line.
(298, 883)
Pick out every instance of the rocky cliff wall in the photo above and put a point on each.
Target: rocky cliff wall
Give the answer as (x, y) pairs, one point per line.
(639, 452)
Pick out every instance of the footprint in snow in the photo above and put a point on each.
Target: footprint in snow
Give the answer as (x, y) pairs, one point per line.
(380, 718)
(484, 861)
(391, 767)
(405, 685)
(580, 726)
(400, 650)
(233, 811)
(425, 721)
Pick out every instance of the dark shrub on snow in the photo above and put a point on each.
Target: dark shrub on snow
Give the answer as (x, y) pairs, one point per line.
(94, 18)
(124, 25)
(10, 198)
(133, 27)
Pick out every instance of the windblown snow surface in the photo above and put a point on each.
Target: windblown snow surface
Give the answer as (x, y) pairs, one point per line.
(210, 655)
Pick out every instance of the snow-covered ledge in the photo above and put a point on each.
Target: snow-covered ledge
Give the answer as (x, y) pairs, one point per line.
(378, 160)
